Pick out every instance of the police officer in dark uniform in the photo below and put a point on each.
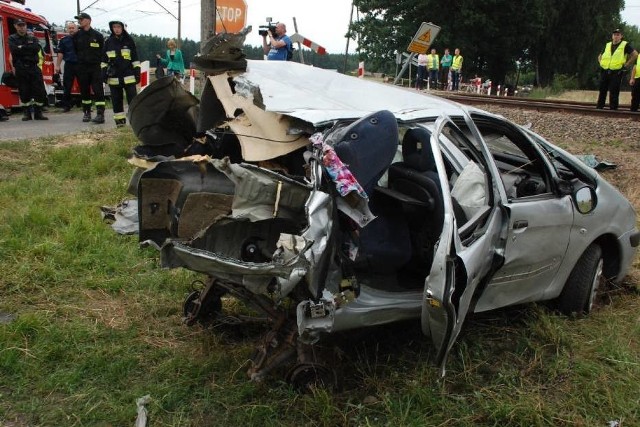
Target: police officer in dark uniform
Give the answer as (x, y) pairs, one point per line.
(120, 68)
(89, 45)
(25, 51)
(67, 52)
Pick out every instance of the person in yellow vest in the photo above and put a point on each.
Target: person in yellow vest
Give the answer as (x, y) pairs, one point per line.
(456, 69)
(617, 56)
(635, 86)
(433, 66)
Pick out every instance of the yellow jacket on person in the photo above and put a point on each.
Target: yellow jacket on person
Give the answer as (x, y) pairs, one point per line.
(457, 63)
(616, 60)
(433, 62)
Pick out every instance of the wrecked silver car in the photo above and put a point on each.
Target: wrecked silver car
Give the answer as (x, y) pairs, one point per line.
(330, 203)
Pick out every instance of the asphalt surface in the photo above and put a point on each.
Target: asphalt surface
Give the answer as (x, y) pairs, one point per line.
(59, 123)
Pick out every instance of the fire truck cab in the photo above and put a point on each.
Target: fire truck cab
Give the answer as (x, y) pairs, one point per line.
(39, 26)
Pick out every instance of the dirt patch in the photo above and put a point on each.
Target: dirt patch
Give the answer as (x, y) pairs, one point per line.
(79, 139)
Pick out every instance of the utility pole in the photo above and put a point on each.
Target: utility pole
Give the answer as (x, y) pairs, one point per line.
(78, 7)
(346, 51)
(207, 21)
(177, 18)
(179, 24)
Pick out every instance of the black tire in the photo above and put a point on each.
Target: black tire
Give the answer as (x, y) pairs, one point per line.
(582, 285)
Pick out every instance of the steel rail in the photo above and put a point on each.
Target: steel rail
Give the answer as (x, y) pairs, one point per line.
(582, 108)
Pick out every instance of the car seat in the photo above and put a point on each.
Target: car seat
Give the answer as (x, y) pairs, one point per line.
(367, 147)
(416, 178)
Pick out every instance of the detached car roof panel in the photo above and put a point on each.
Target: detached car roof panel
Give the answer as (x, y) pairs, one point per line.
(313, 95)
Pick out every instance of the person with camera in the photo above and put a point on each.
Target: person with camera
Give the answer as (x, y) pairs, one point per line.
(120, 68)
(24, 58)
(279, 44)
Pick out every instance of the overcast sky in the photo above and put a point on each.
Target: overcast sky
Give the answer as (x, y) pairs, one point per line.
(324, 22)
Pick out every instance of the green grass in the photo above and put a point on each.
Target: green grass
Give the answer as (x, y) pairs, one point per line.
(97, 325)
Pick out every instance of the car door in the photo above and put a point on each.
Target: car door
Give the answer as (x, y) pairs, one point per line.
(539, 224)
(459, 269)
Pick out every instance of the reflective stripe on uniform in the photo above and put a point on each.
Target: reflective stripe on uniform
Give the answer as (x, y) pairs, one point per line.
(129, 80)
(111, 53)
(100, 103)
(86, 101)
(136, 64)
(126, 54)
(94, 44)
(103, 65)
(113, 81)
(118, 116)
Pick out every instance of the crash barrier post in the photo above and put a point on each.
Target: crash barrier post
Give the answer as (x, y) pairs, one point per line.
(192, 81)
(489, 88)
(361, 69)
(144, 74)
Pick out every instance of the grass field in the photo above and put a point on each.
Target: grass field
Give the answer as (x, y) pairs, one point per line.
(89, 323)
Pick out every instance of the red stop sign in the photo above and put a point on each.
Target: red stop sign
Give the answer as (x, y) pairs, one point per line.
(231, 16)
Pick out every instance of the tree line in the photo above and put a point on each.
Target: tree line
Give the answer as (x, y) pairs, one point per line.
(499, 39)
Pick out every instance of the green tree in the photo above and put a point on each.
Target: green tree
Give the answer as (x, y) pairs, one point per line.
(547, 36)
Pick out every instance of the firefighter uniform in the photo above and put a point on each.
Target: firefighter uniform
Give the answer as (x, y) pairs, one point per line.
(25, 51)
(89, 45)
(120, 69)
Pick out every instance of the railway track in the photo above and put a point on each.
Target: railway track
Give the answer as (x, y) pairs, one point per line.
(583, 108)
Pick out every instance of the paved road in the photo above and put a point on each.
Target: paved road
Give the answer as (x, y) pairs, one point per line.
(59, 123)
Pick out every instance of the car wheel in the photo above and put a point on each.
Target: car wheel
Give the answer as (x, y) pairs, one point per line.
(579, 292)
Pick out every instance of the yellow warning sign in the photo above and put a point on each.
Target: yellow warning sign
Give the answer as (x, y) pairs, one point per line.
(424, 37)
(418, 47)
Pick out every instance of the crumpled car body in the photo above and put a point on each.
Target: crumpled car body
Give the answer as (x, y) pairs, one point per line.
(330, 203)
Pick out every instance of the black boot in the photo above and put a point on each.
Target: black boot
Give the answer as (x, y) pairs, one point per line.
(99, 118)
(87, 115)
(37, 113)
(121, 122)
(26, 115)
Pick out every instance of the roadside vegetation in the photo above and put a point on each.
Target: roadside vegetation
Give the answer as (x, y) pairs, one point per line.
(89, 323)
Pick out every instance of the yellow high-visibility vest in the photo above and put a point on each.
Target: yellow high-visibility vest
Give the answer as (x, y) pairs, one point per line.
(615, 61)
(433, 61)
(457, 63)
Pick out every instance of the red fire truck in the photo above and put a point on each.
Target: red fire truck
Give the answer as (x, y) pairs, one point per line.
(9, 12)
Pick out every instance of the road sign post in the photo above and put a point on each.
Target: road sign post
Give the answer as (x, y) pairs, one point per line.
(231, 16)
(419, 44)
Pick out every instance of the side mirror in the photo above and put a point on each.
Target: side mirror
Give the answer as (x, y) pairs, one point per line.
(585, 199)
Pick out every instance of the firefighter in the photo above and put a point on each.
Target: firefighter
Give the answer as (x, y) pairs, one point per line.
(24, 61)
(120, 68)
(89, 44)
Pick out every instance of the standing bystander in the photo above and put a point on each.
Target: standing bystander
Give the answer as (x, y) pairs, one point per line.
(120, 68)
(445, 64)
(173, 60)
(89, 44)
(617, 56)
(456, 68)
(67, 52)
(422, 70)
(25, 54)
(635, 85)
(433, 66)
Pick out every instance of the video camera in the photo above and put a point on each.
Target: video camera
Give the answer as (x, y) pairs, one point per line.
(263, 30)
